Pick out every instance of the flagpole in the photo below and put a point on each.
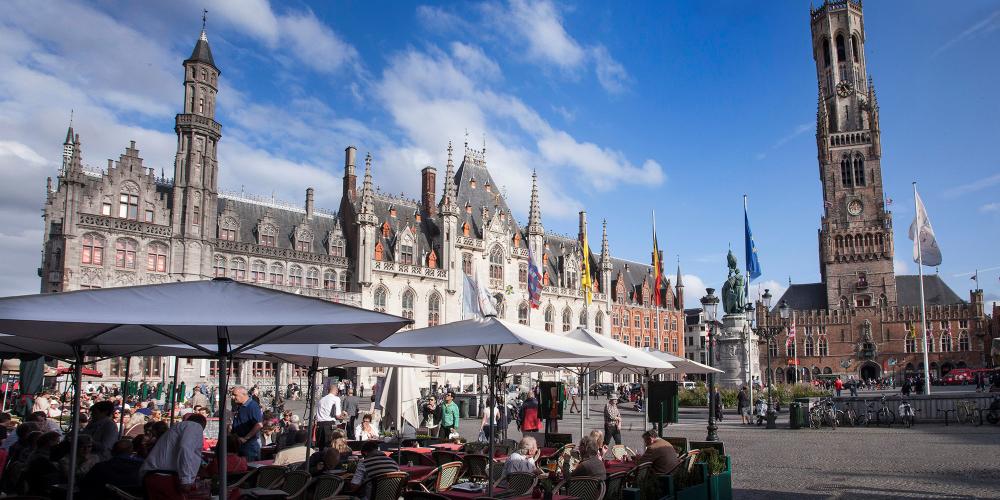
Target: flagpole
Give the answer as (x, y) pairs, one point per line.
(795, 351)
(923, 312)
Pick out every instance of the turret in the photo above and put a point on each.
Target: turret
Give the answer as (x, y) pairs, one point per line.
(367, 220)
(606, 266)
(536, 233)
(679, 296)
(448, 210)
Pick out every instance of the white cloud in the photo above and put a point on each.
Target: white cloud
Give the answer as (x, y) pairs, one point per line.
(314, 43)
(797, 131)
(900, 266)
(981, 27)
(474, 60)
(776, 288)
(539, 25)
(971, 187)
(990, 207)
(694, 290)
(610, 73)
(253, 17)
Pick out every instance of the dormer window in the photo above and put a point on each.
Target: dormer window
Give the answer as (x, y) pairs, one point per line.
(392, 212)
(379, 251)
(465, 229)
(432, 259)
(406, 254)
(488, 187)
(385, 229)
(337, 248)
(228, 229)
(472, 183)
(267, 235)
(468, 208)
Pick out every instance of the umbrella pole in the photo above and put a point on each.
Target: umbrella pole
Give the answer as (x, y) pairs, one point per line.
(492, 370)
(223, 364)
(77, 387)
(311, 403)
(173, 389)
(121, 415)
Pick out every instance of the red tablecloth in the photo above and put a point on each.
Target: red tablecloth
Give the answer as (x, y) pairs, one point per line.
(449, 446)
(466, 495)
(613, 466)
(259, 463)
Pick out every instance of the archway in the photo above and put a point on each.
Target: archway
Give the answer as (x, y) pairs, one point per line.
(961, 364)
(934, 369)
(870, 371)
(946, 367)
(790, 375)
(909, 369)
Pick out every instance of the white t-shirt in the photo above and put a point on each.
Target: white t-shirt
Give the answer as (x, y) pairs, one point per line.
(328, 406)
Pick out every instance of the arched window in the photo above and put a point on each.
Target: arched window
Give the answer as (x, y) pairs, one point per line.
(855, 48)
(312, 278)
(841, 49)
(826, 52)
(408, 304)
(467, 263)
(809, 346)
(638, 321)
(125, 253)
(93, 249)
(496, 264)
(824, 346)
(345, 280)
(910, 345)
(330, 279)
(522, 273)
(380, 297)
(379, 251)
(522, 313)
(238, 269)
(294, 276)
(258, 271)
(219, 266)
(434, 309)
(550, 319)
(930, 342)
(845, 172)
(946, 342)
(567, 319)
(277, 274)
(790, 349)
(337, 248)
(859, 171)
(583, 319)
(772, 348)
(599, 322)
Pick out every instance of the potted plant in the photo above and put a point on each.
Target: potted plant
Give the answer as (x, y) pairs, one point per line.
(688, 481)
(719, 474)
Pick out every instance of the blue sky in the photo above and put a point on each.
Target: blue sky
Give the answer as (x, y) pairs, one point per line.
(621, 107)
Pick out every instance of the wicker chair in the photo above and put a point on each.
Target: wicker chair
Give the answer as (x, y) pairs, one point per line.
(410, 456)
(116, 491)
(638, 474)
(269, 476)
(518, 484)
(443, 478)
(475, 467)
(388, 486)
(326, 487)
(295, 484)
(496, 471)
(614, 485)
(583, 488)
(422, 495)
(441, 457)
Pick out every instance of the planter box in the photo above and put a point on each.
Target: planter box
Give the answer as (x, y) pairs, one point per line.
(720, 487)
(698, 491)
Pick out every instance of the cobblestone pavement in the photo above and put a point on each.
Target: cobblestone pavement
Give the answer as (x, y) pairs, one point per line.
(926, 461)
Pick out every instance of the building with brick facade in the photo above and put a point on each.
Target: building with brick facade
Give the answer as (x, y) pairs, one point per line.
(862, 319)
(124, 225)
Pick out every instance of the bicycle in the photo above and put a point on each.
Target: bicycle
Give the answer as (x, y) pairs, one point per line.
(884, 414)
(907, 414)
(850, 416)
(966, 411)
(823, 413)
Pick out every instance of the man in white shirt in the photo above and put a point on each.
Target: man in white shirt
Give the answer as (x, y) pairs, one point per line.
(522, 460)
(178, 453)
(328, 411)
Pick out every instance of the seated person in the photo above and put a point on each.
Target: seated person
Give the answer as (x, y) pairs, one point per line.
(327, 462)
(659, 453)
(602, 447)
(375, 462)
(590, 464)
(295, 453)
(41, 471)
(85, 458)
(234, 462)
(365, 431)
(522, 460)
(121, 470)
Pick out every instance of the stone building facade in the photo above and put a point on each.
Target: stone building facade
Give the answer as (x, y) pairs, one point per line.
(863, 319)
(124, 225)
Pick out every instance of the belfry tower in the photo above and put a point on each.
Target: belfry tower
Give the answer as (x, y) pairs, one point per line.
(855, 235)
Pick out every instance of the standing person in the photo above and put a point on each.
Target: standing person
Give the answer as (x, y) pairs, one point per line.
(491, 416)
(717, 404)
(198, 398)
(853, 387)
(529, 418)
(742, 405)
(351, 409)
(838, 385)
(431, 415)
(572, 394)
(449, 416)
(907, 386)
(361, 390)
(328, 411)
(248, 420)
(177, 452)
(612, 421)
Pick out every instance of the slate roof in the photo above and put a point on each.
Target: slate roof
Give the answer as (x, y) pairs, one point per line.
(250, 213)
(427, 233)
(803, 297)
(202, 53)
(479, 197)
(936, 291)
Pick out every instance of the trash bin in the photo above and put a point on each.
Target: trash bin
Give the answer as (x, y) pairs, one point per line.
(796, 415)
(463, 408)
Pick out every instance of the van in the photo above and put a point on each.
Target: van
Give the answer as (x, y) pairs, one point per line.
(689, 385)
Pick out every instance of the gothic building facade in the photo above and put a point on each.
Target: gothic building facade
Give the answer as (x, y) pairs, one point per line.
(123, 225)
(862, 319)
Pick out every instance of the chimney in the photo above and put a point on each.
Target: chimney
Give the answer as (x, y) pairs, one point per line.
(309, 203)
(428, 178)
(350, 179)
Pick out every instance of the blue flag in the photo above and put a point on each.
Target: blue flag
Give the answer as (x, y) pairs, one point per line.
(753, 265)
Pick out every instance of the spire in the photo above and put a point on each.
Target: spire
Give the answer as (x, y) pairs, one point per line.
(680, 282)
(204, 21)
(605, 251)
(534, 211)
(367, 198)
(202, 52)
(448, 204)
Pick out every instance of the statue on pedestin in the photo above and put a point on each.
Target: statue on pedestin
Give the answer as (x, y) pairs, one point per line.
(734, 290)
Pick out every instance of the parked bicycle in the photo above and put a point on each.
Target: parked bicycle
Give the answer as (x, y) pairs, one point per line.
(993, 414)
(884, 414)
(965, 411)
(907, 414)
(850, 416)
(823, 413)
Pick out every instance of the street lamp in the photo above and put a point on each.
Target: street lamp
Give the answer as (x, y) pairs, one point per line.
(709, 303)
(766, 333)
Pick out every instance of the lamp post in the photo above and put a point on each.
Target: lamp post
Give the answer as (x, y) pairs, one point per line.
(766, 333)
(709, 303)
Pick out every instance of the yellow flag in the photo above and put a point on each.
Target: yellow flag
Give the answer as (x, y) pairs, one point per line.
(585, 283)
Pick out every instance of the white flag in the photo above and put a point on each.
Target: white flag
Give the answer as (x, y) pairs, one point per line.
(486, 304)
(925, 248)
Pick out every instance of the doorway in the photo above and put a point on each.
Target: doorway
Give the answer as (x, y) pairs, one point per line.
(870, 371)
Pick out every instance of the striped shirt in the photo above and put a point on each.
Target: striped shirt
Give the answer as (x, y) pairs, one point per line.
(372, 466)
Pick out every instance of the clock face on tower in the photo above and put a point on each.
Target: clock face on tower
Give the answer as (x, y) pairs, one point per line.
(854, 207)
(844, 89)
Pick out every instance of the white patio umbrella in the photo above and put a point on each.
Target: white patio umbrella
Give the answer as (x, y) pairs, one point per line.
(490, 341)
(508, 367)
(319, 356)
(231, 316)
(624, 357)
(681, 365)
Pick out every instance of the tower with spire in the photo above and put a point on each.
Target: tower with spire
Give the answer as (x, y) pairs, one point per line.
(448, 213)
(367, 220)
(536, 232)
(606, 266)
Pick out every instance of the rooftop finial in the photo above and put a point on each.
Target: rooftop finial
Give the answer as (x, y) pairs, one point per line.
(204, 21)
(70, 118)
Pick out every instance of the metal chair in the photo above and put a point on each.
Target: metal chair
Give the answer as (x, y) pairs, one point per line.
(441, 457)
(295, 484)
(476, 467)
(614, 485)
(583, 488)
(268, 476)
(517, 484)
(116, 491)
(326, 487)
(443, 478)
(388, 486)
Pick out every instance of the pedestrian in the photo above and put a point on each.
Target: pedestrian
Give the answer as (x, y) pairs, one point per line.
(449, 416)
(248, 420)
(573, 394)
(717, 404)
(528, 419)
(980, 382)
(838, 385)
(612, 421)
(853, 386)
(742, 405)
(102, 429)
(328, 411)
(351, 408)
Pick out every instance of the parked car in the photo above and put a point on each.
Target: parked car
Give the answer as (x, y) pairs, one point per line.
(959, 376)
(687, 384)
(602, 389)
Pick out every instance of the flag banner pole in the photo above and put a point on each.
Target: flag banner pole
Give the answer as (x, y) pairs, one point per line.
(923, 312)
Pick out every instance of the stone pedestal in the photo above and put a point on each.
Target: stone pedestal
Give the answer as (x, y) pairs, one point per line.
(736, 352)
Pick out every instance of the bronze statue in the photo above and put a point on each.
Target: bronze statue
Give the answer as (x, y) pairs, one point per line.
(733, 291)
